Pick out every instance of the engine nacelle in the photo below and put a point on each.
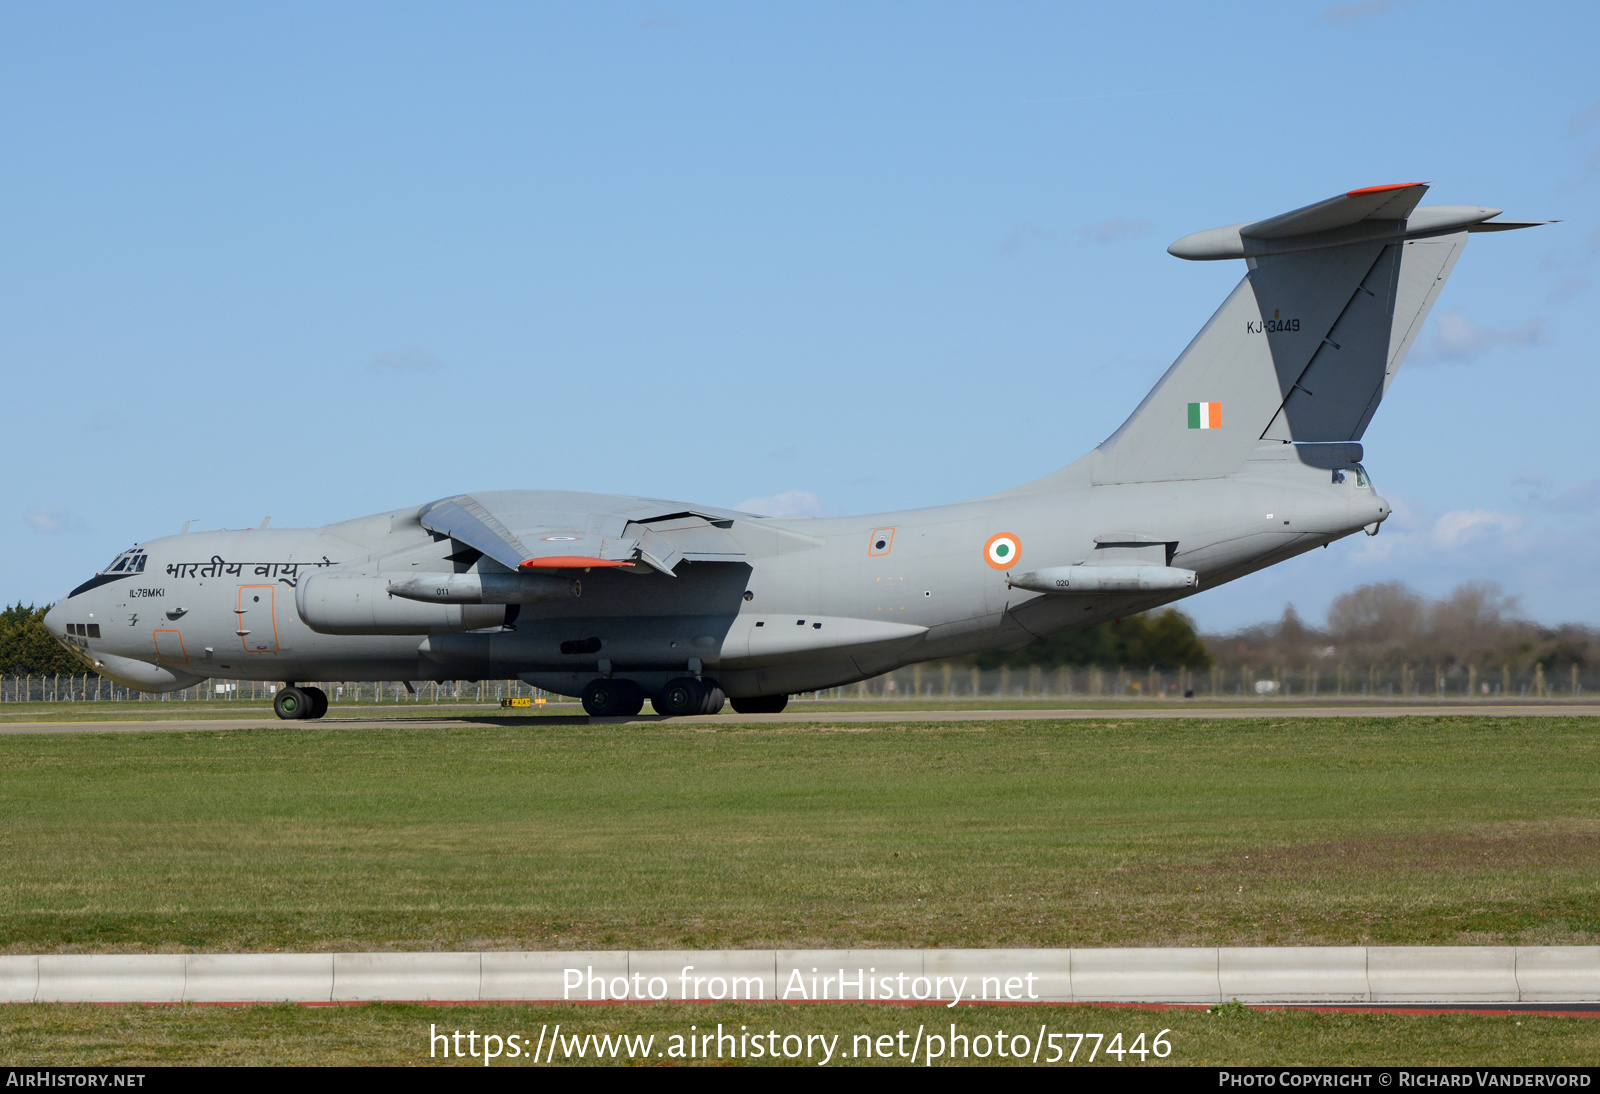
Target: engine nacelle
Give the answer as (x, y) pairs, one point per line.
(361, 604)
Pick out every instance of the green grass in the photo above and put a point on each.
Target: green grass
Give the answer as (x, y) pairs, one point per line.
(32, 1035)
(1469, 830)
(174, 709)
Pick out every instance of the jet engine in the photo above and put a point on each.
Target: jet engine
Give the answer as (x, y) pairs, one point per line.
(362, 604)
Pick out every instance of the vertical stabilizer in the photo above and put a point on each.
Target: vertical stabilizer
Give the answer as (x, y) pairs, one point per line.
(1305, 347)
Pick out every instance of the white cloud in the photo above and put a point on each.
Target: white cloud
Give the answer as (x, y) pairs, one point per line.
(1457, 338)
(405, 360)
(51, 521)
(790, 503)
(1462, 526)
(1109, 231)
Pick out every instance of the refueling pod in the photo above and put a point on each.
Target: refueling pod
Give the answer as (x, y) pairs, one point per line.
(1104, 579)
(486, 588)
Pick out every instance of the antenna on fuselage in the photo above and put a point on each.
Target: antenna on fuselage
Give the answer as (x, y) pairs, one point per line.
(186, 527)
(264, 522)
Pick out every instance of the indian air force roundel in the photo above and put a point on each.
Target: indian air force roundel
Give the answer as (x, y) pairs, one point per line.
(1002, 551)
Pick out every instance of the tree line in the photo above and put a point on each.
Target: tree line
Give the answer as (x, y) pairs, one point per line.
(27, 648)
(1388, 623)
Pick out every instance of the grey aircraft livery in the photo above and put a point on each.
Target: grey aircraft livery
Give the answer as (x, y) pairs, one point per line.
(1246, 453)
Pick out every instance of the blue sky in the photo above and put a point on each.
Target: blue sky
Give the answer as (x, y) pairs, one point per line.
(316, 261)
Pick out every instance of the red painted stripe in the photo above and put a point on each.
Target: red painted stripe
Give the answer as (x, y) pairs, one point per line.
(1382, 189)
(569, 562)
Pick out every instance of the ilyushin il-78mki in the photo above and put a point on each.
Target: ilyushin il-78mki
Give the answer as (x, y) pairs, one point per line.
(1246, 453)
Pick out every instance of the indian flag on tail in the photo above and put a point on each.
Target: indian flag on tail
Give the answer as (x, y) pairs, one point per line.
(1205, 415)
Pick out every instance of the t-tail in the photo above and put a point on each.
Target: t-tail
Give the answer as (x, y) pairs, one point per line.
(1305, 347)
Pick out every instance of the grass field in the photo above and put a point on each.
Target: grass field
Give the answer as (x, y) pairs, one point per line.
(260, 710)
(1469, 830)
(400, 1033)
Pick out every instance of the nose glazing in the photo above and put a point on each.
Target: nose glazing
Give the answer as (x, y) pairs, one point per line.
(54, 623)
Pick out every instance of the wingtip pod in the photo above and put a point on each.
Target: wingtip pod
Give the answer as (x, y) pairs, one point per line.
(1211, 244)
(1370, 213)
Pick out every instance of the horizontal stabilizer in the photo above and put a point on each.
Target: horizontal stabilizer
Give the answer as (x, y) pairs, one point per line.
(1376, 213)
(1372, 203)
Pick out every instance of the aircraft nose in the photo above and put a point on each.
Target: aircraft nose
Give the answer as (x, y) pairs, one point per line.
(54, 623)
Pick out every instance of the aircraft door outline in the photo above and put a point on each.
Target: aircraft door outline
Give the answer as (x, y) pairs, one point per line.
(169, 646)
(258, 618)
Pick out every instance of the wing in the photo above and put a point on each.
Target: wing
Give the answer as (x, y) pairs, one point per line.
(546, 530)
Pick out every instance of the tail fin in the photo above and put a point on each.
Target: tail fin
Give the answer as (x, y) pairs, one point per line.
(1306, 345)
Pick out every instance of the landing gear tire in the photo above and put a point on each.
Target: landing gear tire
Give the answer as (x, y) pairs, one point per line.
(761, 704)
(714, 698)
(630, 701)
(612, 698)
(292, 704)
(319, 702)
(680, 696)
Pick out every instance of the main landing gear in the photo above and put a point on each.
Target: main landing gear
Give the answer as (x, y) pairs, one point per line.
(605, 698)
(761, 704)
(294, 703)
(612, 698)
(686, 695)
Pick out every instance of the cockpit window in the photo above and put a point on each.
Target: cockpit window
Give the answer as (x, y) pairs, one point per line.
(1361, 476)
(128, 562)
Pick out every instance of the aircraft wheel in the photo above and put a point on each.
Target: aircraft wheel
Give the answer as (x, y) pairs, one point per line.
(319, 702)
(612, 698)
(761, 704)
(714, 698)
(291, 703)
(683, 695)
(630, 699)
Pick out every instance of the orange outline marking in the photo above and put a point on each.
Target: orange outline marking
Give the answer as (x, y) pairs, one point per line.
(181, 647)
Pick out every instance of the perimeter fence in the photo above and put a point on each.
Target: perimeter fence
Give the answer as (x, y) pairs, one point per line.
(938, 681)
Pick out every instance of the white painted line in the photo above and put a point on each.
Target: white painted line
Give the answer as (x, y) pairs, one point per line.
(19, 979)
(1427, 974)
(420, 976)
(1333, 975)
(263, 977)
(1558, 974)
(548, 974)
(1293, 974)
(111, 978)
(1152, 975)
